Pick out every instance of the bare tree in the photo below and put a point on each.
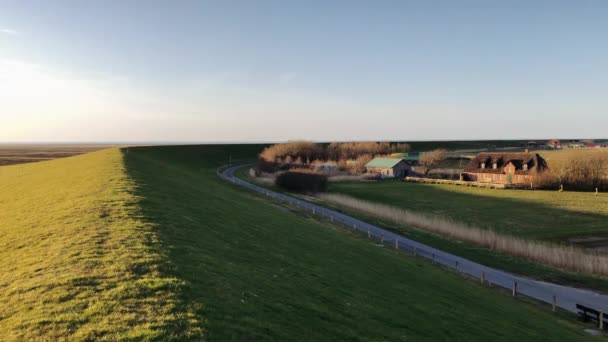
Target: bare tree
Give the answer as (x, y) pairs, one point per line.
(430, 160)
(578, 173)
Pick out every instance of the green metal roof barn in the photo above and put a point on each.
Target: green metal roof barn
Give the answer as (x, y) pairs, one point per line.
(388, 167)
(383, 162)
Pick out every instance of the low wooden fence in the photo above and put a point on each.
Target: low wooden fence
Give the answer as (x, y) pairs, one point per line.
(455, 182)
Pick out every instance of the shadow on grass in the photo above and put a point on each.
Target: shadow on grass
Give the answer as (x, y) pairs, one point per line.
(178, 194)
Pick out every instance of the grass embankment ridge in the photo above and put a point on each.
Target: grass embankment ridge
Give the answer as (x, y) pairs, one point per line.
(78, 261)
(569, 258)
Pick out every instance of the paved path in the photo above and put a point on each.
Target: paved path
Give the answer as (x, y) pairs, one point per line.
(566, 297)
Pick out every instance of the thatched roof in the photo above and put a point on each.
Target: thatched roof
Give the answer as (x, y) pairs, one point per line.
(535, 162)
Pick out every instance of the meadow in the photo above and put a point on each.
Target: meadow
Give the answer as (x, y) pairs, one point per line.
(541, 215)
(150, 245)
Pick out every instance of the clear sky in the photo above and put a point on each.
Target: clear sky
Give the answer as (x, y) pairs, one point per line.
(320, 70)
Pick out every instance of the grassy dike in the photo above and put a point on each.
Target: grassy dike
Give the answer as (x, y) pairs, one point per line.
(77, 260)
(150, 245)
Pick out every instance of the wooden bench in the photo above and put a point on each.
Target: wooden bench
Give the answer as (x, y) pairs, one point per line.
(587, 313)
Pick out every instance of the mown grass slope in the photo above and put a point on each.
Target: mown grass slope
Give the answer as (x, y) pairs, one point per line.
(77, 261)
(255, 271)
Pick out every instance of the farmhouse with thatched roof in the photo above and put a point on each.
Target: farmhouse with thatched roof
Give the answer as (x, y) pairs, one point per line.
(505, 168)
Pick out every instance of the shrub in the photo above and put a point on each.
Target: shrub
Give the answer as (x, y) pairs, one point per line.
(302, 181)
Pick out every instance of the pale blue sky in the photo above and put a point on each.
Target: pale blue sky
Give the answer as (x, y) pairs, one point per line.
(278, 70)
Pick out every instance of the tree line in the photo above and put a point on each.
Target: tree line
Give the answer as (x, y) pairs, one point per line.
(346, 155)
(585, 174)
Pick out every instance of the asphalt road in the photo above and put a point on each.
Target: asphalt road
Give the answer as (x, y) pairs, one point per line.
(565, 297)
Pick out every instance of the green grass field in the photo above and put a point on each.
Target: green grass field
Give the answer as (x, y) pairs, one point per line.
(542, 215)
(151, 245)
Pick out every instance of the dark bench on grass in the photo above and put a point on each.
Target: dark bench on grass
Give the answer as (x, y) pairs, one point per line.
(587, 313)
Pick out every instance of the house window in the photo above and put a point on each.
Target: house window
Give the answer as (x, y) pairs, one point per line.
(518, 178)
(500, 177)
(494, 166)
(483, 165)
(525, 167)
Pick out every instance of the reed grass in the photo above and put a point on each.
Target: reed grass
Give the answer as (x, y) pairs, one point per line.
(550, 254)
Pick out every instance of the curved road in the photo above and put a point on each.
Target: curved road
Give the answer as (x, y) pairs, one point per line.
(565, 297)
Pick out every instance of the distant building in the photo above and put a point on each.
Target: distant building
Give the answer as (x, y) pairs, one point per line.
(554, 143)
(532, 144)
(388, 167)
(574, 144)
(505, 168)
